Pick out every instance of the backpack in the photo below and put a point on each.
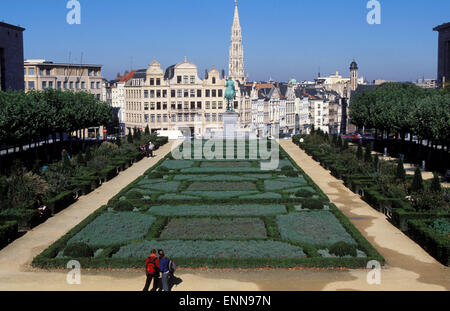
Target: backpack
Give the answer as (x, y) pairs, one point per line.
(151, 266)
(172, 266)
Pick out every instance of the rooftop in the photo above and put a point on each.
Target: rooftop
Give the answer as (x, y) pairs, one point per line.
(442, 27)
(5, 25)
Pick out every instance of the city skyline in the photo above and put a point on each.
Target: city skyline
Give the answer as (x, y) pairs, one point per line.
(402, 47)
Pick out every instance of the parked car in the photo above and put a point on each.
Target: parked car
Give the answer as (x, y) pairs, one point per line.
(352, 137)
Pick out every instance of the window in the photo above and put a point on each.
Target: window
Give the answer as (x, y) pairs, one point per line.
(77, 85)
(146, 94)
(186, 105)
(220, 105)
(50, 84)
(192, 93)
(214, 105)
(199, 93)
(152, 118)
(58, 85)
(178, 79)
(186, 93)
(220, 93)
(158, 118)
(146, 118)
(152, 106)
(158, 106)
(172, 93)
(214, 117)
(83, 85)
(173, 118)
(208, 105)
(158, 93)
(158, 81)
(220, 117)
(173, 106)
(164, 93)
(92, 85)
(180, 105)
(207, 117)
(31, 84)
(145, 106)
(152, 94)
(192, 79)
(44, 84)
(98, 85)
(214, 93)
(41, 72)
(199, 105)
(185, 79)
(207, 94)
(165, 118)
(48, 72)
(192, 117)
(71, 85)
(186, 118)
(180, 118)
(90, 72)
(213, 80)
(31, 71)
(180, 93)
(65, 85)
(164, 106)
(192, 105)
(152, 81)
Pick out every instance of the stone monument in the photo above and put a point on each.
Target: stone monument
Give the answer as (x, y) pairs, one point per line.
(230, 117)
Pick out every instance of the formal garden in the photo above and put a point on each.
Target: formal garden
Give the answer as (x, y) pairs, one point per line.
(216, 213)
(420, 208)
(60, 182)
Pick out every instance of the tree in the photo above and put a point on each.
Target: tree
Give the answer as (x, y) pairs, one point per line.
(368, 154)
(417, 185)
(359, 152)
(130, 137)
(376, 162)
(345, 147)
(147, 130)
(339, 142)
(400, 173)
(435, 183)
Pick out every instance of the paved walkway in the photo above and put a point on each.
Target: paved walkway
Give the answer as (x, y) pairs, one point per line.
(408, 266)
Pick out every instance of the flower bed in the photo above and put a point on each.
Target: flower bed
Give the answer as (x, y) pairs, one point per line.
(219, 194)
(214, 228)
(317, 228)
(226, 164)
(221, 186)
(218, 210)
(177, 164)
(113, 228)
(213, 249)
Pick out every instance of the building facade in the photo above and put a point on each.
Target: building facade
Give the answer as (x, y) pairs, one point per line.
(443, 74)
(236, 58)
(41, 74)
(11, 57)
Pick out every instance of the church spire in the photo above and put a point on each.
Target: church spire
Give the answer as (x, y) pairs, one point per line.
(236, 60)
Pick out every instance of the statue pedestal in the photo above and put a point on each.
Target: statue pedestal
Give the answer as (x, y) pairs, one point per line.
(230, 125)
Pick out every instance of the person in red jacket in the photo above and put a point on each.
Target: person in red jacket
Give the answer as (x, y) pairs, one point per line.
(152, 271)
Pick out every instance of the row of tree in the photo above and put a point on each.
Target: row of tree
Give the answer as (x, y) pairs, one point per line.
(403, 108)
(34, 116)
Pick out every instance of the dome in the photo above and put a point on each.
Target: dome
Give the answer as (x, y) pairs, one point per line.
(353, 66)
(293, 81)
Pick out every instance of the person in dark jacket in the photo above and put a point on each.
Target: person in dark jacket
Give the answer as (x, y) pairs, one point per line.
(165, 275)
(152, 267)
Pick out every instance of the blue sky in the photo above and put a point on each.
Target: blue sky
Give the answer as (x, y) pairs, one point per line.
(282, 38)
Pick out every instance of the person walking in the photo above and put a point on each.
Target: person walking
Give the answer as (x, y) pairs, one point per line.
(152, 267)
(151, 147)
(164, 264)
(147, 150)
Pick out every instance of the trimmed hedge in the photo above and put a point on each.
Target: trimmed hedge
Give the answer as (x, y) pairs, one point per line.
(8, 232)
(25, 218)
(61, 201)
(434, 243)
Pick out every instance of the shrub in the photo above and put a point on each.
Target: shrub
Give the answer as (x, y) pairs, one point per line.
(339, 142)
(155, 175)
(60, 201)
(345, 147)
(8, 232)
(435, 183)
(123, 206)
(426, 201)
(136, 195)
(291, 173)
(368, 154)
(376, 162)
(312, 204)
(417, 185)
(400, 173)
(342, 249)
(441, 226)
(162, 169)
(359, 152)
(78, 250)
(304, 194)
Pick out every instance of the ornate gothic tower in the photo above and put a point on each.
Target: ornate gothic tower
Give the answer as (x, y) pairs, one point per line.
(236, 60)
(354, 76)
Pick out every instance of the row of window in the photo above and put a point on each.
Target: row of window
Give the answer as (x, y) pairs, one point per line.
(174, 118)
(66, 85)
(175, 93)
(47, 72)
(175, 105)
